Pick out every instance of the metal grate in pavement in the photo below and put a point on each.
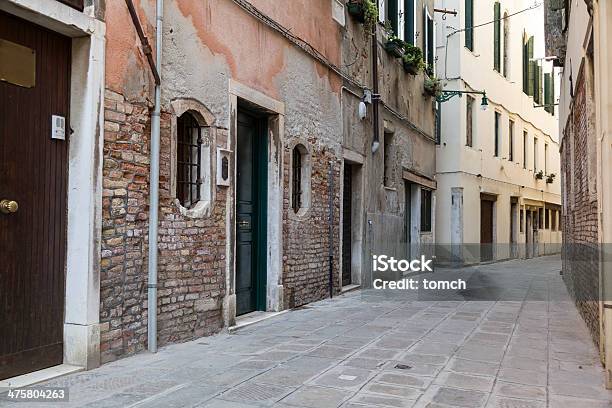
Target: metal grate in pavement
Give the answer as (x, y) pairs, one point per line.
(256, 392)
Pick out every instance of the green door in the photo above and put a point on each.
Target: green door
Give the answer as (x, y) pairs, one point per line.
(251, 194)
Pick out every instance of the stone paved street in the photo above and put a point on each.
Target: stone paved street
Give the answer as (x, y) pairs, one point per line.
(366, 350)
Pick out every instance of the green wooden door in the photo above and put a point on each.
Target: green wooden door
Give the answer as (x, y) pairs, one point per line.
(251, 193)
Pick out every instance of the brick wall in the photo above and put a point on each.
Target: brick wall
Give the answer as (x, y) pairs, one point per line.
(191, 282)
(306, 239)
(580, 227)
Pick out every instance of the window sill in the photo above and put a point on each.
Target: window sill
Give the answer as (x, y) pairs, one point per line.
(302, 213)
(202, 209)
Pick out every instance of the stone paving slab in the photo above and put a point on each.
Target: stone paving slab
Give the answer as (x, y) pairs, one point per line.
(369, 349)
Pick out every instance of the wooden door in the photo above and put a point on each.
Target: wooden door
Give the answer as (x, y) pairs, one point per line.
(251, 166)
(33, 173)
(486, 230)
(347, 233)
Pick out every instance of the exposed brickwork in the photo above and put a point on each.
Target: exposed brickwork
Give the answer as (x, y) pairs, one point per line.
(581, 259)
(191, 251)
(306, 239)
(124, 228)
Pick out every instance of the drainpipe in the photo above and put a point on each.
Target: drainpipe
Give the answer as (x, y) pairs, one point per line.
(375, 94)
(154, 190)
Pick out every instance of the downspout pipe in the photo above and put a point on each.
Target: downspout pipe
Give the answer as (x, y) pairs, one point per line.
(375, 91)
(154, 190)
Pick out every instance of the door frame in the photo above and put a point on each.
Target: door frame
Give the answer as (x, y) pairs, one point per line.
(274, 111)
(82, 286)
(355, 161)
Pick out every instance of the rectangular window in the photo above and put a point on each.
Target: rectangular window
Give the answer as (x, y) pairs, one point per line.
(469, 23)
(553, 220)
(545, 158)
(547, 219)
(425, 210)
(497, 37)
(410, 21)
(497, 132)
(511, 140)
(393, 15)
(469, 121)
(540, 218)
(522, 228)
(429, 39)
(535, 154)
(525, 140)
(388, 160)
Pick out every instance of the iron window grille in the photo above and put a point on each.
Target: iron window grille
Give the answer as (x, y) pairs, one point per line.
(189, 160)
(296, 193)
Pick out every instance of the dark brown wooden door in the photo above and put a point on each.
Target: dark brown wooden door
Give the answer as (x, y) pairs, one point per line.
(486, 230)
(347, 210)
(33, 172)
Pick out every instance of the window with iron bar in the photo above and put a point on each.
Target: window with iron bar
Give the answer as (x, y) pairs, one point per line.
(296, 192)
(189, 160)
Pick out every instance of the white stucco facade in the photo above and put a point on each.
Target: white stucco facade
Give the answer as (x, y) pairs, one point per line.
(525, 209)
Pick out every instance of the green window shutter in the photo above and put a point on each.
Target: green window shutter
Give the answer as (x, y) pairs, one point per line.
(497, 37)
(469, 23)
(553, 98)
(540, 83)
(393, 15)
(409, 19)
(547, 95)
(531, 68)
(531, 79)
(525, 64)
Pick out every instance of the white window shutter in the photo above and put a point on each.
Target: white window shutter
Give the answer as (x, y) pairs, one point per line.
(382, 13)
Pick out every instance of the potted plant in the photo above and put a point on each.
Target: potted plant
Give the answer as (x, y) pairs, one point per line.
(433, 86)
(550, 178)
(355, 9)
(413, 59)
(395, 46)
(364, 11)
(539, 175)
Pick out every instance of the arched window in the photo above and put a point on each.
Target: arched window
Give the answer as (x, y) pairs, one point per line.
(189, 160)
(300, 178)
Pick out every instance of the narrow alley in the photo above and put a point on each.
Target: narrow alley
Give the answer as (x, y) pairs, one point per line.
(365, 349)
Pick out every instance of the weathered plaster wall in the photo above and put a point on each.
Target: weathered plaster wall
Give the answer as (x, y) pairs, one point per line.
(407, 114)
(200, 57)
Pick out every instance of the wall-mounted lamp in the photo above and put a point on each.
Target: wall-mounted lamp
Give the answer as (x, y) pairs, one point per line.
(363, 107)
(485, 102)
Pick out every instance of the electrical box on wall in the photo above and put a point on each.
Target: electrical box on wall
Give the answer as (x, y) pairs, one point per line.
(58, 127)
(223, 167)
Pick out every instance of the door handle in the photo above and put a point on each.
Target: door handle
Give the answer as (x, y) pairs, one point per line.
(244, 224)
(8, 206)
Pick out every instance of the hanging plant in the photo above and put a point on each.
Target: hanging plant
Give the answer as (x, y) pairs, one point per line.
(413, 59)
(355, 9)
(433, 86)
(539, 175)
(364, 11)
(550, 178)
(370, 15)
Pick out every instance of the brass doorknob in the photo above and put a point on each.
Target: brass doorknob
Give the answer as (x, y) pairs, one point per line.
(8, 206)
